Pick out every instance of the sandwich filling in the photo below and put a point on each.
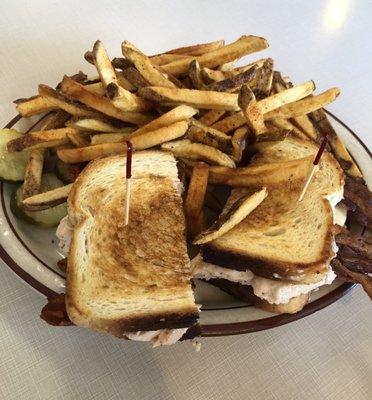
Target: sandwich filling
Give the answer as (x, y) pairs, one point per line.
(273, 291)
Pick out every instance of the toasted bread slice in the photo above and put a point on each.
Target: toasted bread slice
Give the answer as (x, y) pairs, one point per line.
(130, 278)
(245, 293)
(284, 238)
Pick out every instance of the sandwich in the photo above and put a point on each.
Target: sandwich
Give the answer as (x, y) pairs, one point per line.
(130, 281)
(282, 251)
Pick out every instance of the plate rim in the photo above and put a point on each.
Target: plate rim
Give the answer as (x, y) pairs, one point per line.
(210, 330)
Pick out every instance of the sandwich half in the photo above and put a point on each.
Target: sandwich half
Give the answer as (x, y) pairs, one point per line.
(282, 250)
(131, 281)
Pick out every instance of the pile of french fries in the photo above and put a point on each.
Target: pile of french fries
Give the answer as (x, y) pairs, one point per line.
(192, 101)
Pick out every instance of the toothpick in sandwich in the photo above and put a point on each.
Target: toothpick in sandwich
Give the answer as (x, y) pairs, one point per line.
(128, 176)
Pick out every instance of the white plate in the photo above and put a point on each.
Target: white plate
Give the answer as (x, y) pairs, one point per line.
(32, 253)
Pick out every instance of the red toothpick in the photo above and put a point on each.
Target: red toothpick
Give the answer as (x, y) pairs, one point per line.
(315, 163)
(128, 175)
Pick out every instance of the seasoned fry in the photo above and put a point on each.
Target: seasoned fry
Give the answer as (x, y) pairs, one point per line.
(196, 151)
(33, 172)
(338, 148)
(195, 98)
(238, 70)
(77, 139)
(48, 199)
(261, 83)
(199, 132)
(121, 63)
(235, 83)
(239, 143)
(275, 173)
(34, 105)
(103, 64)
(109, 138)
(251, 110)
(287, 96)
(143, 64)
(211, 75)
(211, 117)
(180, 113)
(125, 100)
(60, 101)
(134, 78)
(195, 199)
(195, 75)
(227, 66)
(230, 123)
(197, 49)
(302, 122)
(285, 124)
(40, 139)
(243, 46)
(304, 106)
(100, 103)
(232, 216)
(34, 167)
(139, 142)
(162, 59)
(97, 88)
(98, 125)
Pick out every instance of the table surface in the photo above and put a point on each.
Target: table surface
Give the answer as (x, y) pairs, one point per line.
(325, 356)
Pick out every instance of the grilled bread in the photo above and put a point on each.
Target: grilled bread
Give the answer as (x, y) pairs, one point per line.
(130, 278)
(284, 238)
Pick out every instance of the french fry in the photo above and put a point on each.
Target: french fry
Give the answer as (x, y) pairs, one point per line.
(34, 105)
(103, 64)
(251, 110)
(40, 139)
(232, 216)
(243, 46)
(77, 139)
(33, 172)
(230, 123)
(285, 124)
(227, 66)
(238, 70)
(211, 75)
(239, 143)
(261, 83)
(162, 59)
(180, 113)
(134, 78)
(195, 98)
(195, 75)
(83, 154)
(195, 199)
(210, 117)
(199, 132)
(43, 201)
(235, 83)
(143, 64)
(97, 88)
(287, 96)
(100, 103)
(302, 122)
(34, 168)
(121, 63)
(197, 151)
(196, 49)
(338, 148)
(98, 125)
(125, 100)
(140, 142)
(64, 103)
(275, 173)
(304, 106)
(109, 138)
